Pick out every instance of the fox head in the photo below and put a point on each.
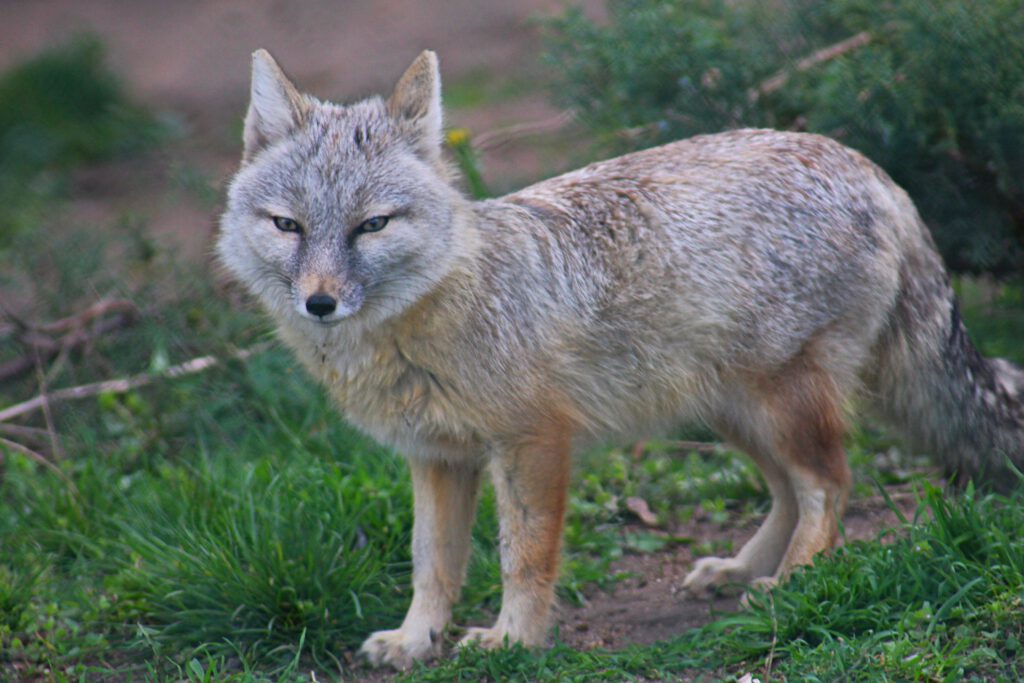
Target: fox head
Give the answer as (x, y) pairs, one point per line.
(340, 212)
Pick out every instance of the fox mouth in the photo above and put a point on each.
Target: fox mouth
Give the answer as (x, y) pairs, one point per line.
(325, 322)
(335, 318)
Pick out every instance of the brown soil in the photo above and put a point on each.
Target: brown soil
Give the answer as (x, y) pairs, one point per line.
(651, 605)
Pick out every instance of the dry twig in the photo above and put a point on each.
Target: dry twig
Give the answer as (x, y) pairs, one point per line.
(121, 386)
(825, 54)
(32, 455)
(499, 137)
(702, 447)
(773, 83)
(56, 450)
(23, 432)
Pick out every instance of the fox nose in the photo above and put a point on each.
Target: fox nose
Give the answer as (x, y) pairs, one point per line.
(321, 305)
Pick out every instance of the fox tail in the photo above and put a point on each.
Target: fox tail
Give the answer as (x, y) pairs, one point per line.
(933, 383)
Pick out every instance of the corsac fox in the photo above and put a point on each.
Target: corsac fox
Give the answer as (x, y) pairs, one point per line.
(754, 280)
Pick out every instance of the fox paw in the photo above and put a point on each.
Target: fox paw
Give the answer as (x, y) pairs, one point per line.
(399, 648)
(758, 587)
(487, 638)
(711, 574)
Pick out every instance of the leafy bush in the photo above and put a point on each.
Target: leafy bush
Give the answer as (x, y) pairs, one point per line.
(933, 92)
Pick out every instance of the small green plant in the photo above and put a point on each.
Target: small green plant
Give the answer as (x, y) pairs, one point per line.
(273, 561)
(461, 147)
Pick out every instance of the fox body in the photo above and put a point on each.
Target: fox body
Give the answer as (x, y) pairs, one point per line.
(754, 280)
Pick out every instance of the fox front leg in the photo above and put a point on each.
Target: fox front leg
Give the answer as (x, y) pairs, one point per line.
(530, 482)
(444, 500)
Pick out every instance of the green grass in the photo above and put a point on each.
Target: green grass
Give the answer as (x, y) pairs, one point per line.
(229, 526)
(941, 600)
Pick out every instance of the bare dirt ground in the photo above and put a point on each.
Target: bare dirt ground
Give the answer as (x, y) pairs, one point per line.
(651, 605)
(191, 59)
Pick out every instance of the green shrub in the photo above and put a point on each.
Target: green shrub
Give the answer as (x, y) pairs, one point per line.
(936, 96)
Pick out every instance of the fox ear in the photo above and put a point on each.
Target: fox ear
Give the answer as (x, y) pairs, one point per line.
(276, 108)
(416, 104)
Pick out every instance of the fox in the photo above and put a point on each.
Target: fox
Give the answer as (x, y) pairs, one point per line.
(760, 282)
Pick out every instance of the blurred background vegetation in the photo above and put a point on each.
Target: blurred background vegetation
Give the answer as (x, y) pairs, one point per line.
(227, 525)
(931, 91)
(58, 111)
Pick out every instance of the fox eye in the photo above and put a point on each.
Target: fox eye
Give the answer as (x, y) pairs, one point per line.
(375, 224)
(285, 224)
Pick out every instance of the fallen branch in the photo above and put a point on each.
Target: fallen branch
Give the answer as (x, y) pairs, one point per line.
(769, 85)
(825, 54)
(702, 447)
(51, 431)
(23, 432)
(76, 331)
(121, 386)
(80, 320)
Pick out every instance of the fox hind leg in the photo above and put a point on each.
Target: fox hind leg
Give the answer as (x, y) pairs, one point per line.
(794, 428)
(762, 554)
(809, 412)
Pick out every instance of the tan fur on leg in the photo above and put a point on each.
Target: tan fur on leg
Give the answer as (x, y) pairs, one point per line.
(445, 500)
(761, 555)
(821, 504)
(791, 423)
(531, 481)
(809, 414)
